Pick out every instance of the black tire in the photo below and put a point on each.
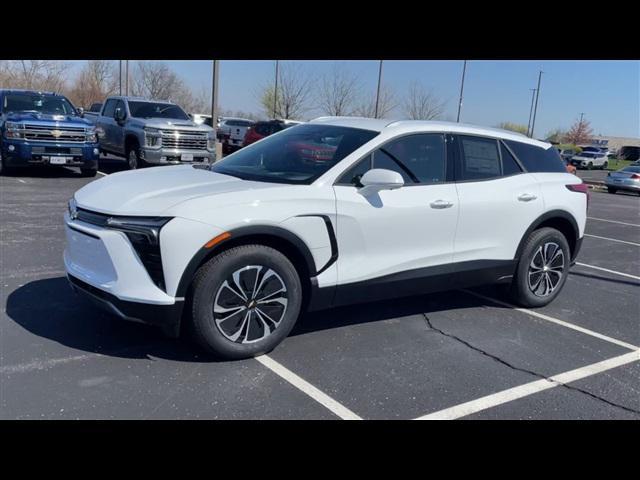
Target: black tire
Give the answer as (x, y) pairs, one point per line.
(612, 190)
(522, 292)
(207, 293)
(590, 166)
(88, 172)
(134, 161)
(605, 165)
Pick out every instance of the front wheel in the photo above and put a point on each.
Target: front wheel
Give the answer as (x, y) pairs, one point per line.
(612, 190)
(134, 160)
(590, 166)
(542, 269)
(245, 301)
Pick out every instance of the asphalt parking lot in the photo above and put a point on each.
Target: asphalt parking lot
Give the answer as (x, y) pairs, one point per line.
(461, 354)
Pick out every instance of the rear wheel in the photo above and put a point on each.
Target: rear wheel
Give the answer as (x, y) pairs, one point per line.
(612, 190)
(542, 269)
(245, 301)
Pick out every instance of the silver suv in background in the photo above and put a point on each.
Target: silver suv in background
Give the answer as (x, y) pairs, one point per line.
(154, 132)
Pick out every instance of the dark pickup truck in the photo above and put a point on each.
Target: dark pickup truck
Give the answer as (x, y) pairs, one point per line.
(45, 129)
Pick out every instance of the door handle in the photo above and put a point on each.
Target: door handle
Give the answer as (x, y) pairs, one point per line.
(441, 204)
(526, 197)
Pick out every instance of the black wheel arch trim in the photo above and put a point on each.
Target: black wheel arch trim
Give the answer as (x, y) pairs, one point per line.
(549, 216)
(333, 242)
(252, 230)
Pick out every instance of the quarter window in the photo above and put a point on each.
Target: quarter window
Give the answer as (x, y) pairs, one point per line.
(537, 159)
(509, 164)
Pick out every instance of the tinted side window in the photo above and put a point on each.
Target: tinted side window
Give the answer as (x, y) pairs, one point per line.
(536, 159)
(423, 155)
(109, 108)
(509, 164)
(381, 159)
(120, 106)
(479, 158)
(355, 173)
(261, 129)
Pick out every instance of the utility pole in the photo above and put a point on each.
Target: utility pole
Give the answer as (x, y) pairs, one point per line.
(214, 93)
(464, 70)
(535, 109)
(581, 116)
(533, 96)
(275, 92)
(126, 88)
(378, 90)
(120, 77)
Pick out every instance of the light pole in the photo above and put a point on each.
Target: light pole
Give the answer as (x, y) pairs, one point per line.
(275, 92)
(378, 90)
(535, 109)
(120, 77)
(464, 70)
(533, 96)
(214, 93)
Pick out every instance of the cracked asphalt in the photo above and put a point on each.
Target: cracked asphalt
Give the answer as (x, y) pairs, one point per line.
(62, 358)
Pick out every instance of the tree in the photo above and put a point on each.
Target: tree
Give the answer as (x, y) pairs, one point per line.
(514, 127)
(97, 80)
(47, 75)
(580, 132)
(338, 92)
(366, 106)
(421, 104)
(295, 88)
(556, 136)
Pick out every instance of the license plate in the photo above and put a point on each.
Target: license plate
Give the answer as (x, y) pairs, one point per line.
(186, 157)
(58, 160)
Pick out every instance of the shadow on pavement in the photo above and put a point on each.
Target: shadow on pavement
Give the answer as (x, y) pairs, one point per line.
(111, 164)
(50, 309)
(42, 172)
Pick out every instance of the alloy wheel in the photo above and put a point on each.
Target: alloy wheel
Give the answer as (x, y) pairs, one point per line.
(250, 304)
(546, 269)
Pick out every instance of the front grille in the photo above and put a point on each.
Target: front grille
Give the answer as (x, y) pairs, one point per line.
(75, 151)
(94, 218)
(183, 140)
(39, 133)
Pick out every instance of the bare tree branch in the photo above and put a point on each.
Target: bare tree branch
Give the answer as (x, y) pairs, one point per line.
(366, 106)
(295, 88)
(421, 104)
(338, 92)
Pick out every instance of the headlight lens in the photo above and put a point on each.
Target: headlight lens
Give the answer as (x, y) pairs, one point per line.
(92, 136)
(152, 137)
(14, 130)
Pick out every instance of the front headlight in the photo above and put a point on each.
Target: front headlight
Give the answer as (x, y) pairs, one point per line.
(144, 235)
(152, 137)
(92, 136)
(13, 130)
(72, 207)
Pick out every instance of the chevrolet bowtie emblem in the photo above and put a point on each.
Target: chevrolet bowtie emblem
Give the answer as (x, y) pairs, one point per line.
(56, 133)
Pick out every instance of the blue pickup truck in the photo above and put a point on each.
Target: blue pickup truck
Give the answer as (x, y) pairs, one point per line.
(44, 128)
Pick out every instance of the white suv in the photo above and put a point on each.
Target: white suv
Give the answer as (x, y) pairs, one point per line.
(335, 211)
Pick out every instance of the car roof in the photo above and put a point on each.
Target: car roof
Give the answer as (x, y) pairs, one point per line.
(139, 99)
(224, 119)
(24, 90)
(409, 126)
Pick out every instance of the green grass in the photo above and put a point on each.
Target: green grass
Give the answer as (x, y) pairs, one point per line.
(617, 164)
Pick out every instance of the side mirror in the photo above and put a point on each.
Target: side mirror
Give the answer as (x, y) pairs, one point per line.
(379, 179)
(80, 111)
(119, 115)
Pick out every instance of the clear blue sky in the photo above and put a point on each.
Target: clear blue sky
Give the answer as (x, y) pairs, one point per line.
(608, 92)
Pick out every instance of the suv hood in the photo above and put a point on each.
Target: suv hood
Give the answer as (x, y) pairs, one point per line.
(154, 190)
(169, 124)
(47, 118)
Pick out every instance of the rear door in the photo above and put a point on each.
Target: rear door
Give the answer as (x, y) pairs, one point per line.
(498, 202)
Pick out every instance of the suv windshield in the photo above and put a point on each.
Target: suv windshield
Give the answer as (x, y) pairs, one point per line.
(156, 110)
(296, 155)
(38, 103)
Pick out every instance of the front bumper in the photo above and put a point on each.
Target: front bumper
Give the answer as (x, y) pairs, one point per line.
(165, 156)
(102, 264)
(21, 153)
(165, 316)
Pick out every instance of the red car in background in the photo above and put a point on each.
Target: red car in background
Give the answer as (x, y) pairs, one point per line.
(264, 129)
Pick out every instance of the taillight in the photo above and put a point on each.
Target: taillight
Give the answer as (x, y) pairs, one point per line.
(635, 176)
(580, 188)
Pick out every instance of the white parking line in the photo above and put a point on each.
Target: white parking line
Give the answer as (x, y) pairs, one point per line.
(21, 181)
(614, 221)
(102, 173)
(301, 384)
(613, 239)
(556, 321)
(527, 389)
(609, 271)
